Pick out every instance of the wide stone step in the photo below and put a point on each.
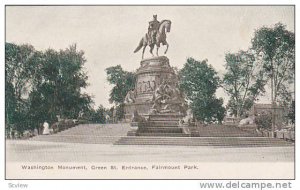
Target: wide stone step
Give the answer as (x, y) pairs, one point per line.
(163, 124)
(165, 117)
(160, 134)
(223, 142)
(86, 139)
(206, 144)
(160, 130)
(98, 130)
(147, 125)
(209, 139)
(224, 135)
(202, 141)
(223, 131)
(88, 134)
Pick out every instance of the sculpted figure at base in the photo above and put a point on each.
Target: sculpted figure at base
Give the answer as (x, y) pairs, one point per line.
(155, 35)
(189, 117)
(168, 99)
(130, 97)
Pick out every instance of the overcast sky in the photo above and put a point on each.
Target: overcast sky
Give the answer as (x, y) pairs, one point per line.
(109, 34)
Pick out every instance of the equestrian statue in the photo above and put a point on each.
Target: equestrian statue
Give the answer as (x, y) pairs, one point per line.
(155, 36)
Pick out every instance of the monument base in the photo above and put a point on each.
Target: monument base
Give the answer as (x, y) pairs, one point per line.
(156, 106)
(141, 108)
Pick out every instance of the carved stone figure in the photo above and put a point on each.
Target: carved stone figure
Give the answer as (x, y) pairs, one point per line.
(153, 86)
(167, 99)
(149, 87)
(156, 35)
(247, 121)
(158, 97)
(189, 116)
(130, 97)
(139, 87)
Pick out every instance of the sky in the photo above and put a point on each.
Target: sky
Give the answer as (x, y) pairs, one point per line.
(109, 34)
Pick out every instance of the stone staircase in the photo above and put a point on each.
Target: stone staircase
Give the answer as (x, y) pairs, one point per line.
(237, 142)
(88, 134)
(171, 129)
(168, 133)
(220, 136)
(224, 131)
(161, 128)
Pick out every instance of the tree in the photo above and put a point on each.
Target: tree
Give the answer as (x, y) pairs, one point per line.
(208, 110)
(40, 85)
(264, 120)
(123, 81)
(120, 112)
(275, 48)
(101, 112)
(19, 67)
(20, 64)
(199, 82)
(95, 116)
(71, 80)
(243, 81)
(64, 78)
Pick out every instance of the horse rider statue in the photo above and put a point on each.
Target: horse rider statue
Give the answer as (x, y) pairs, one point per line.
(156, 35)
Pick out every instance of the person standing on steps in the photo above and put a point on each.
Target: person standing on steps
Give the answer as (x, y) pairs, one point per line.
(46, 130)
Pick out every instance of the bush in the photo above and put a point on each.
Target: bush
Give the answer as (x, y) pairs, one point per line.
(264, 120)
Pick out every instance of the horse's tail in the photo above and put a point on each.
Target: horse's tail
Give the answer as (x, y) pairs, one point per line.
(139, 46)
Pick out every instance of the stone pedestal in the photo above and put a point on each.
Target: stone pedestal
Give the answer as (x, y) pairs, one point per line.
(156, 99)
(149, 76)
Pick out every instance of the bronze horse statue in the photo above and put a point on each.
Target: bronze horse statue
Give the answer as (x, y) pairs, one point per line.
(165, 26)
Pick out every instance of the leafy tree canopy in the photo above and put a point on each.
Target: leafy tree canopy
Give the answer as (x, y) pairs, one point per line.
(243, 81)
(275, 49)
(40, 85)
(199, 81)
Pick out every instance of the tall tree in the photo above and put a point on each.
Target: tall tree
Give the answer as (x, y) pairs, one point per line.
(122, 81)
(71, 80)
(63, 79)
(199, 82)
(19, 67)
(243, 81)
(275, 47)
(41, 85)
(20, 64)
